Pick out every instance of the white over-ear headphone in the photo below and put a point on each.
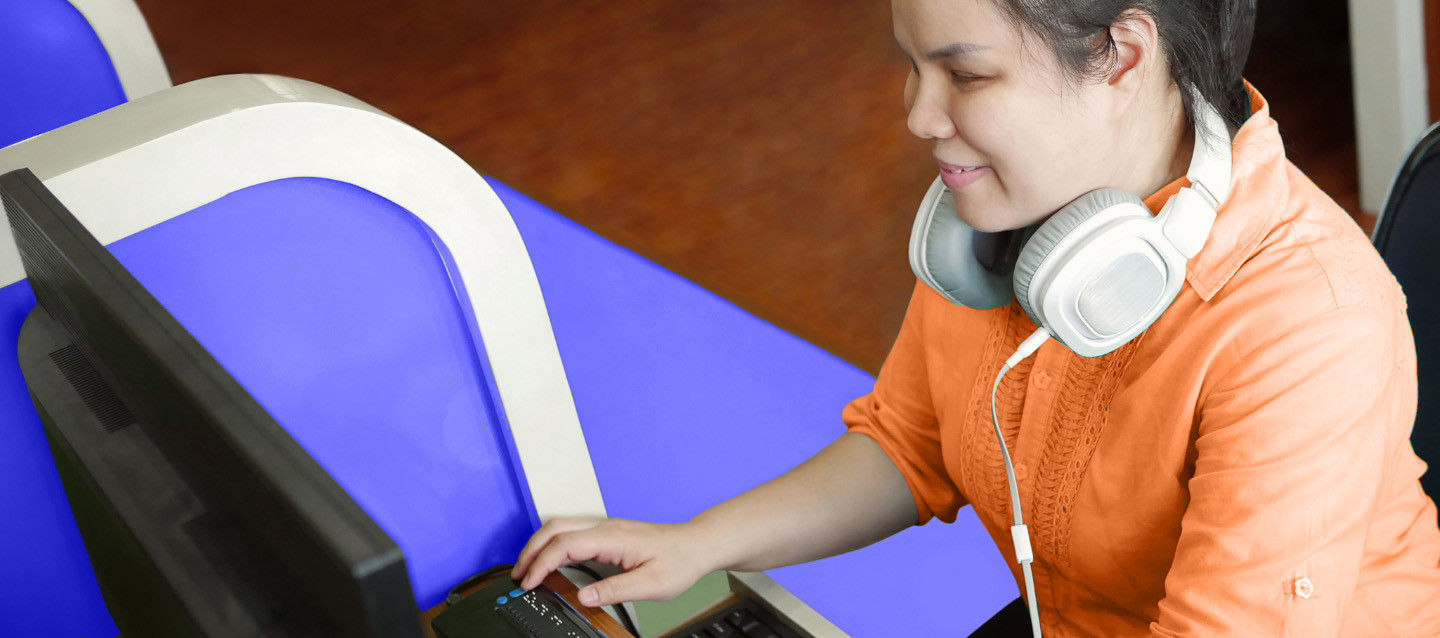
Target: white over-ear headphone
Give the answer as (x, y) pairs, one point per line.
(1099, 271)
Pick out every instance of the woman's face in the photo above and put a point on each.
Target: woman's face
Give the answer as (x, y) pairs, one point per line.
(1029, 139)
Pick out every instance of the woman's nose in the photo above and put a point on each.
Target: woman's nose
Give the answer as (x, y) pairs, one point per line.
(928, 119)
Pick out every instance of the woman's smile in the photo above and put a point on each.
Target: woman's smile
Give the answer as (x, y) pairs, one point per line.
(956, 177)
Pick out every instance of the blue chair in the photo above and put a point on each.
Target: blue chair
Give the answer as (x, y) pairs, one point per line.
(1405, 234)
(406, 321)
(69, 60)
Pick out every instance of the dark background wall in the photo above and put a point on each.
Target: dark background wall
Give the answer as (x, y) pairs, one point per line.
(756, 148)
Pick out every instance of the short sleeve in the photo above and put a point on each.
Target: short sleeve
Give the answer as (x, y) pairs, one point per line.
(899, 415)
(1291, 452)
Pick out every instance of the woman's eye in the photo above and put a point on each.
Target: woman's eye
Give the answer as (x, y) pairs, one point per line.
(963, 78)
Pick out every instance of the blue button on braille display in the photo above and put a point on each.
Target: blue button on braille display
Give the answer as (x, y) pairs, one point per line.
(501, 600)
(517, 592)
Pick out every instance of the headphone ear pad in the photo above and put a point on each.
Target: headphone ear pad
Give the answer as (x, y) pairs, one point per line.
(942, 254)
(1057, 227)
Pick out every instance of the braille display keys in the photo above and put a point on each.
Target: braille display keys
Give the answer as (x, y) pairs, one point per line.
(503, 610)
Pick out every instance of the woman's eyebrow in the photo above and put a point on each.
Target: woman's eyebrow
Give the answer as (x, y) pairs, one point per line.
(958, 49)
(954, 50)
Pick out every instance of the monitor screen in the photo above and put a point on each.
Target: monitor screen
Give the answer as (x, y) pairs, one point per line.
(201, 515)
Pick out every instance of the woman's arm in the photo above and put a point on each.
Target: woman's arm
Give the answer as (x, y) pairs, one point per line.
(1293, 449)
(849, 495)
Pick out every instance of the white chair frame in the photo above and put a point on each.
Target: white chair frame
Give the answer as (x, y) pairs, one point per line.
(147, 161)
(127, 38)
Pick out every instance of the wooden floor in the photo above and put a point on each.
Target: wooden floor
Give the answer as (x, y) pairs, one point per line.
(756, 148)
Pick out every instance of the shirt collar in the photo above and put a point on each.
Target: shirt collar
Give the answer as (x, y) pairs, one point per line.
(1258, 186)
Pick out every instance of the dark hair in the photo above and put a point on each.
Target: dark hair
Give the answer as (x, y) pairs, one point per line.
(1205, 42)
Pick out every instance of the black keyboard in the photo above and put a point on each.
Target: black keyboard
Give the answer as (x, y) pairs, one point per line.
(741, 619)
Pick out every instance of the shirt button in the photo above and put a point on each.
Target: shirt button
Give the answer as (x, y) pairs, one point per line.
(1022, 472)
(1304, 588)
(1042, 380)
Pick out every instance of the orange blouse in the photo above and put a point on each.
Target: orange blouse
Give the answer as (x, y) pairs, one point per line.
(1243, 468)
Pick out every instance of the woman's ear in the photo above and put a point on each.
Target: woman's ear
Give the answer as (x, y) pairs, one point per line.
(1137, 50)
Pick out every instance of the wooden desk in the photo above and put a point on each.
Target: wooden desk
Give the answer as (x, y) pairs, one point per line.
(557, 583)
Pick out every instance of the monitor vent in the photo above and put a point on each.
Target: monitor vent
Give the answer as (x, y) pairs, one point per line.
(97, 395)
(204, 530)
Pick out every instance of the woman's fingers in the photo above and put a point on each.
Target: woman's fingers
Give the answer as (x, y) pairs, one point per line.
(542, 537)
(637, 584)
(565, 548)
(660, 561)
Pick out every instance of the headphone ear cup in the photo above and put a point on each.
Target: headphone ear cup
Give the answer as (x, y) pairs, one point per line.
(942, 255)
(1064, 222)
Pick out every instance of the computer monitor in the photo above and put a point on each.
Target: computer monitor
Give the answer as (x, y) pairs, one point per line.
(200, 514)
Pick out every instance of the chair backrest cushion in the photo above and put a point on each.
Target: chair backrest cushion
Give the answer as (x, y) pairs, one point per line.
(56, 70)
(1407, 237)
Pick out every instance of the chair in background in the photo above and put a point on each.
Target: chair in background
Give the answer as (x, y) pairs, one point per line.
(1407, 233)
(68, 60)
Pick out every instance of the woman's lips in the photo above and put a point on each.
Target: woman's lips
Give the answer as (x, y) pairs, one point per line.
(956, 177)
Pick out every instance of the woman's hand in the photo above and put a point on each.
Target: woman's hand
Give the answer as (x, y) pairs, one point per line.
(661, 561)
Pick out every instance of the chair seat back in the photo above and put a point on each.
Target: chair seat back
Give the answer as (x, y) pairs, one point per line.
(1406, 235)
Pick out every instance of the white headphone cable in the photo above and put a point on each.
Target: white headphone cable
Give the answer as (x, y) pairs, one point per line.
(1018, 531)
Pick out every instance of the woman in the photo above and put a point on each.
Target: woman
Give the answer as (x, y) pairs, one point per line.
(1242, 467)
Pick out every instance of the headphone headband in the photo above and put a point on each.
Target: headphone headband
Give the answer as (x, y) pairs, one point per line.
(1209, 170)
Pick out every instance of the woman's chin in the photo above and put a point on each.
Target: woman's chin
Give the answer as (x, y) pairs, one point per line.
(991, 223)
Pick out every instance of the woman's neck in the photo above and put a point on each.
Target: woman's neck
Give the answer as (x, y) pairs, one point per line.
(1158, 143)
